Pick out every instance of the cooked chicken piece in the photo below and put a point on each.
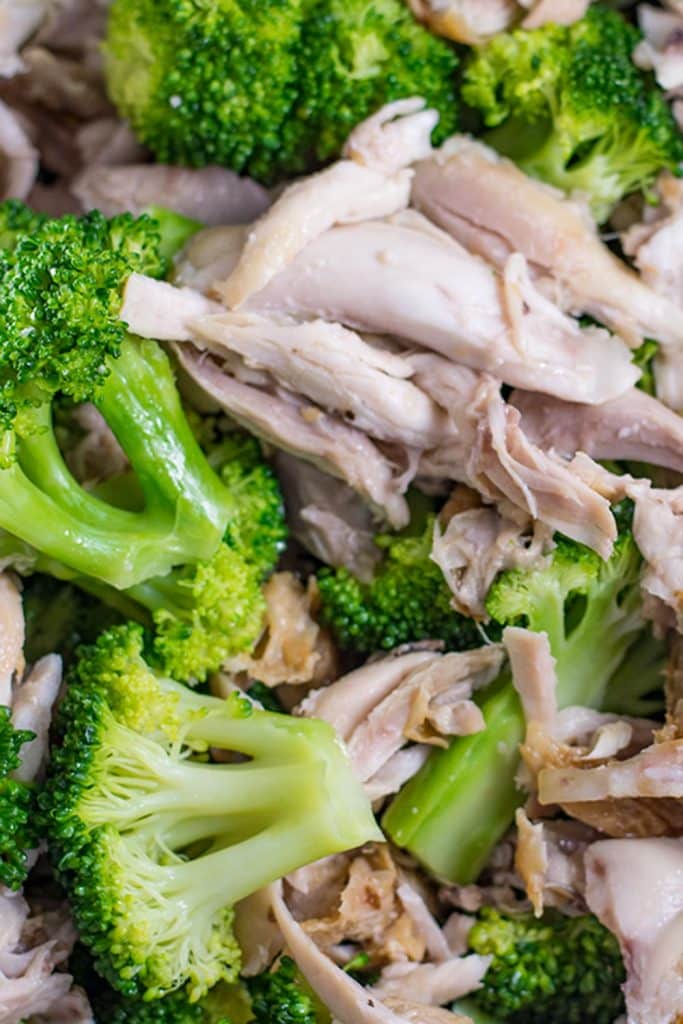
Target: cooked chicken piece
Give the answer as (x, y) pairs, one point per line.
(533, 673)
(108, 142)
(74, 26)
(156, 309)
(420, 695)
(465, 187)
(61, 84)
(466, 21)
(212, 195)
(404, 277)
(393, 775)
(72, 1008)
(635, 887)
(373, 181)
(658, 531)
(19, 19)
(296, 426)
(336, 369)
(11, 637)
(18, 156)
(634, 426)
(415, 905)
(32, 946)
(549, 859)
(348, 1001)
(432, 984)
(479, 543)
(327, 517)
(662, 48)
(293, 649)
(531, 859)
(209, 255)
(415, 1013)
(257, 933)
(32, 705)
(557, 12)
(314, 890)
(97, 455)
(490, 452)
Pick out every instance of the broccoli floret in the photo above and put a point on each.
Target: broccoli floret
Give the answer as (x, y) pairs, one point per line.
(60, 335)
(224, 1004)
(570, 106)
(60, 617)
(281, 997)
(407, 600)
(557, 970)
(453, 812)
(18, 832)
(267, 88)
(153, 843)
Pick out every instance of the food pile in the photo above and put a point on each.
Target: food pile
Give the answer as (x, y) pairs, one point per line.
(341, 512)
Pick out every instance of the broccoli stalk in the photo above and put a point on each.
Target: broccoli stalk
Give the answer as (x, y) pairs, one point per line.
(564, 970)
(453, 812)
(407, 600)
(60, 296)
(154, 844)
(18, 833)
(568, 104)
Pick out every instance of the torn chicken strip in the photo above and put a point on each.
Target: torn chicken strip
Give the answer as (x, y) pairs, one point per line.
(11, 637)
(108, 142)
(293, 649)
(466, 21)
(374, 181)
(465, 187)
(19, 19)
(533, 673)
(97, 456)
(634, 427)
(209, 255)
(393, 775)
(433, 984)
(19, 158)
(32, 705)
(635, 888)
(294, 425)
(71, 1008)
(549, 859)
(336, 369)
(327, 517)
(406, 278)
(661, 49)
(490, 452)
(33, 944)
(656, 243)
(553, 12)
(159, 310)
(257, 933)
(415, 905)
(479, 543)
(658, 532)
(416, 1013)
(62, 85)
(212, 195)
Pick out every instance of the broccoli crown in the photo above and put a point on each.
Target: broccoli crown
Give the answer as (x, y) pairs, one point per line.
(278, 997)
(407, 600)
(557, 970)
(570, 106)
(222, 1005)
(60, 296)
(17, 819)
(267, 88)
(154, 843)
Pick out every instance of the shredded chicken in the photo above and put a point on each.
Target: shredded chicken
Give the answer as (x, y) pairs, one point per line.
(466, 21)
(635, 887)
(557, 12)
(97, 455)
(19, 19)
(533, 673)
(11, 637)
(257, 933)
(32, 704)
(18, 156)
(549, 859)
(294, 649)
(373, 182)
(658, 531)
(661, 49)
(433, 984)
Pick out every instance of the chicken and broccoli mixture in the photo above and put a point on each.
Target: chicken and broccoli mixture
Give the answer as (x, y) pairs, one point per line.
(341, 512)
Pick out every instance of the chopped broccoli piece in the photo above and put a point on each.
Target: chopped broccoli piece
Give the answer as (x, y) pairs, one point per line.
(266, 697)
(61, 336)
(557, 970)
(407, 600)
(267, 88)
(281, 997)
(18, 833)
(153, 844)
(224, 1004)
(60, 617)
(570, 106)
(644, 358)
(453, 812)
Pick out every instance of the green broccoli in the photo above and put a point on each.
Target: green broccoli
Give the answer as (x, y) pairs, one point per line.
(224, 1004)
(453, 812)
(60, 334)
(267, 88)
(153, 843)
(282, 997)
(557, 970)
(59, 616)
(18, 833)
(407, 600)
(568, 104)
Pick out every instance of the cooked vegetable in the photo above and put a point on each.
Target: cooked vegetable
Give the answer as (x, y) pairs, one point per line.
(18, 832)
(568, 104)
(270, 89)
(153, 844)
(281, 996)
(453, 812)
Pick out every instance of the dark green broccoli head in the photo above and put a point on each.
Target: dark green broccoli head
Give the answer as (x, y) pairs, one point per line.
(141, 824)
(60, 296)
(570, 106)
(222, 1005)
(18, 833)
(556, 970)
(269, 88)
(279, 997)
(407, 600)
